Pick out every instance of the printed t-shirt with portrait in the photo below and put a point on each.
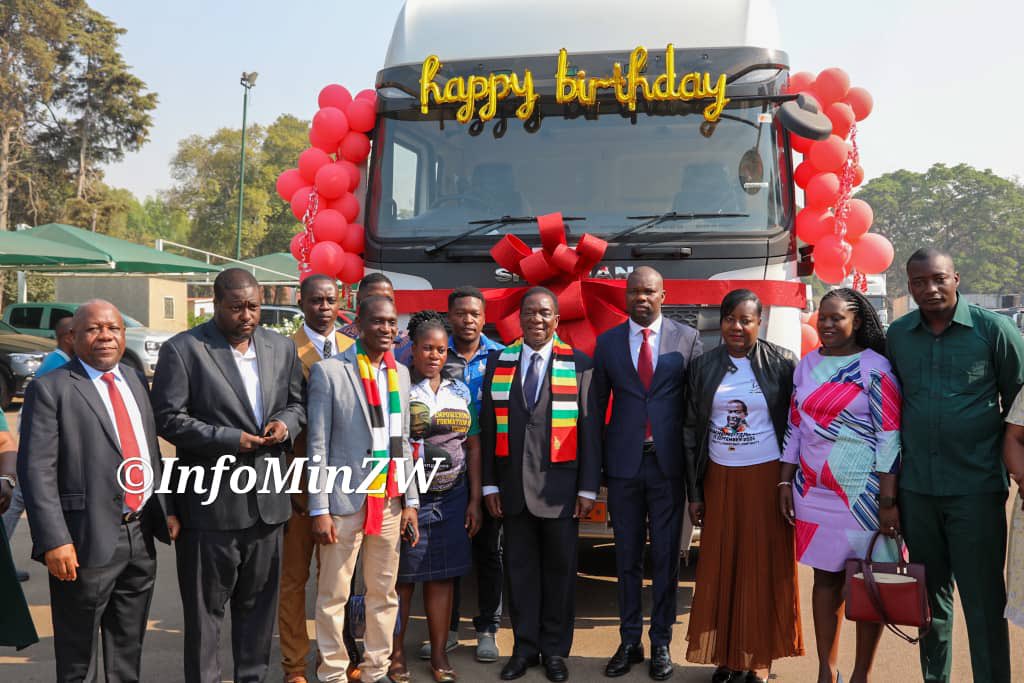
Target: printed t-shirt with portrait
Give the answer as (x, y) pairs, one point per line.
(741, 430)
(438, 426)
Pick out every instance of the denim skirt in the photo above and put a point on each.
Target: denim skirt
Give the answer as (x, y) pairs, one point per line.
(444, 550)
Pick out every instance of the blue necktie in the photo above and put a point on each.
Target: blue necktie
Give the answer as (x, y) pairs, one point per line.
(532, 381)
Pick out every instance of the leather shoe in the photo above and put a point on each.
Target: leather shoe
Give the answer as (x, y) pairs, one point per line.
(624, 657)
(516, 667)
(555, 668)
(661, 663)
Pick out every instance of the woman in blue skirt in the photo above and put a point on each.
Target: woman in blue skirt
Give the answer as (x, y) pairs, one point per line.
(443, 429)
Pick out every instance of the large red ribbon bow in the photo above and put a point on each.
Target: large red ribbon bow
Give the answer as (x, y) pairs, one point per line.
(587, 306)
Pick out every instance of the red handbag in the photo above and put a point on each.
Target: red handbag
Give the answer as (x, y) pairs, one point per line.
(890, 593)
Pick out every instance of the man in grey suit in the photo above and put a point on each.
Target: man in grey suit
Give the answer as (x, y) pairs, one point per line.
(87, 462)
(229, 387)
(350, 429)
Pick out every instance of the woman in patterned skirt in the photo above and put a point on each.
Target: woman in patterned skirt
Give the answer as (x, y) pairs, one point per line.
(443, 430)
(843, 445)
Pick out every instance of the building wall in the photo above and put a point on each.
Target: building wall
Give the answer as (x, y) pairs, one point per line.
(143, 298)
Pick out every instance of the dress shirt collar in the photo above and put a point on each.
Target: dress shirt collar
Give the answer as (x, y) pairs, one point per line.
(318, 340)
(961, 316)
(528, 351)
(95, 374)
(250, 352)
(635, 328)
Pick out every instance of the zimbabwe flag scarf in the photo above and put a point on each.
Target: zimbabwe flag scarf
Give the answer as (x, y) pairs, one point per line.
(563, 408)
(386, 438)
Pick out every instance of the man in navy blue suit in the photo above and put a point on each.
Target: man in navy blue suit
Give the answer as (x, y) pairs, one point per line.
(642, 362)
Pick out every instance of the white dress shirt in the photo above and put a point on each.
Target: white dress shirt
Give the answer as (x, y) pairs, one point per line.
(133, 414)
(525, 359)
(636, 340)
(318, 340)
(248, 368)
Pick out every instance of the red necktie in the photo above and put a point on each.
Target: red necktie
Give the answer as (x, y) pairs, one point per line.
(645, 368)
(125, 433)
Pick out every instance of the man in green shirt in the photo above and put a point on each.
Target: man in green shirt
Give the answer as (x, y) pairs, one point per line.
(961, 367)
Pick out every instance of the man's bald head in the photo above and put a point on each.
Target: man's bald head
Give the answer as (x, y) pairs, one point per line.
(232, 279)
(98, 334)
(64, 334)
(645, 293)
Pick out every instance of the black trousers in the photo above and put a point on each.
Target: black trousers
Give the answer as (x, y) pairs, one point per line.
(112, 600)
(244, 567)
(649, 502)
(489, 579)
(540, 563)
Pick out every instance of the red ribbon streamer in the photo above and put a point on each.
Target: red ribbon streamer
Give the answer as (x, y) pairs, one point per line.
(587, 306)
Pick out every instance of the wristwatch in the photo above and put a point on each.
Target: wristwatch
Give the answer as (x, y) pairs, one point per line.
(886, 501)
(9, 479)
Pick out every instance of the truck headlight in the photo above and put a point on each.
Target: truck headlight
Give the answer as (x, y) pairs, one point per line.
(25, 364)
(152, 346)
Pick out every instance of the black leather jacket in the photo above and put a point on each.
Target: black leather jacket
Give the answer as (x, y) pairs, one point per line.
(772, 366)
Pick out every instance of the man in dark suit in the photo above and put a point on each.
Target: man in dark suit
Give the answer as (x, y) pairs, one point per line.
(229, 387)
(642, 362)
(542, 470)
(87, 462)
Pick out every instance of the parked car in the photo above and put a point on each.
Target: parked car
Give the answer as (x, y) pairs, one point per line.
(40, 320)
(20, 357)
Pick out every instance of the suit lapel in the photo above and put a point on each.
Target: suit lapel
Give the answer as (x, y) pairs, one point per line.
(220, 351)
(141, 400)
(668, 342)
(357, 386)
(87, 389)
(308, 355)
(626, 354)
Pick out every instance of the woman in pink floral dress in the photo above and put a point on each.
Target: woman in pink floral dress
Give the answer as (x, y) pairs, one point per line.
(843, 446)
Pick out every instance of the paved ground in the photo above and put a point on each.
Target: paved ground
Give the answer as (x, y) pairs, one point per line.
(595, 640)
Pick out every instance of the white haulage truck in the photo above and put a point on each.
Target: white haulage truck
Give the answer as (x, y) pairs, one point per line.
(660, 125)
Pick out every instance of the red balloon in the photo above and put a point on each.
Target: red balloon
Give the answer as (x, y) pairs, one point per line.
(326, 258)
(841, 116)
(803, 174)
(830, 154)
(808, 339)
(355, 147)
(858, 175)
(354, 239)
(799, 81)
(859, 218)
(351, 269)
(812, 320)
(348, 205)
(288, 182)
(334, 95)
(812, 224)
(300, 201)
(861, 102)
(828, 272)
(800, 144)
(831, 250)
(298, 241)
(370, 95)
(332, 180)
(832, 85)
(329, 226)
(330, 124)
(353, 173)
(362, 115)
(310, 162)
(822, 191)
(872, 254)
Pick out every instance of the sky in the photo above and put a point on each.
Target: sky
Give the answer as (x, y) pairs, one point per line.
(945, 74)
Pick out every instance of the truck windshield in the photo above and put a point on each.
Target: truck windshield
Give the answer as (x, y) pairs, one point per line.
(436, 177)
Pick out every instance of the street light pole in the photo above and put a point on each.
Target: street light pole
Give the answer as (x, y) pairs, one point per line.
(248, 80)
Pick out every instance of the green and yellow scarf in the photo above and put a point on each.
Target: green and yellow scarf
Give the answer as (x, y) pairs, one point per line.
(563, 409)
(386, 439)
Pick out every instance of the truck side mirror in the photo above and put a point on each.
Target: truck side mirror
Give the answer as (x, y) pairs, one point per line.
(803, 117)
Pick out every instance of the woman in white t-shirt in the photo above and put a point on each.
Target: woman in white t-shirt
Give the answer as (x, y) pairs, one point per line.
(746, 610)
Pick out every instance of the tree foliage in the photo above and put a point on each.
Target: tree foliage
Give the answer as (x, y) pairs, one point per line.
(976, 215)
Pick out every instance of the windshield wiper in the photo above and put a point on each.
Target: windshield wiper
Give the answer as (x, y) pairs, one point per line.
(653, 220)
(481, 225)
